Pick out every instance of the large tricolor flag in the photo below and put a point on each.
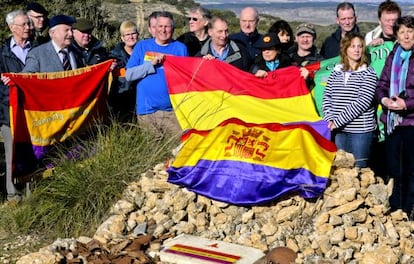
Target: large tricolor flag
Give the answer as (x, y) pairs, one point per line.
(248, 140)
(49, 108)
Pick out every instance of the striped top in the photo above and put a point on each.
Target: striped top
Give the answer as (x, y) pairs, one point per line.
(349, 99)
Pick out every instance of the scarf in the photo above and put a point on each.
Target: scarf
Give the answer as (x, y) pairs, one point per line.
(399, 69)
(272, 65)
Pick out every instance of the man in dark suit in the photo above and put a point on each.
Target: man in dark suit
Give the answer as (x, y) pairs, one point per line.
(49, 57)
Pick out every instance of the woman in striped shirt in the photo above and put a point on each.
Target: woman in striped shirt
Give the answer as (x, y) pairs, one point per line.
(349, 100)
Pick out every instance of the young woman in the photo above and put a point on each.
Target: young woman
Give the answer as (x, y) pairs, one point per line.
(283, 30)
(348, 101)
(271, 57)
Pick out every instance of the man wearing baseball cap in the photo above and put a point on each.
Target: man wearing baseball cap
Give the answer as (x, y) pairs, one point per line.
(304, 52)
(50, 56)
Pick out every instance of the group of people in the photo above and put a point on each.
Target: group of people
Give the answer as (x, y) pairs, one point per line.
(353, 91)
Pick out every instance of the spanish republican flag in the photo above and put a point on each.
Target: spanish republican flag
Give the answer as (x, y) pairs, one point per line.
(49, 108)
(248, 140)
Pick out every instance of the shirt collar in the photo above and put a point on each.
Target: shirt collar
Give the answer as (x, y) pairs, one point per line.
(13, 44)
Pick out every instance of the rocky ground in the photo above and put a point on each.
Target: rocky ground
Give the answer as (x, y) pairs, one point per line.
(351, 223)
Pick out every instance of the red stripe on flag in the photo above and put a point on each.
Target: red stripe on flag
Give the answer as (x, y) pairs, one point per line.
(60, 93)
(231, 80)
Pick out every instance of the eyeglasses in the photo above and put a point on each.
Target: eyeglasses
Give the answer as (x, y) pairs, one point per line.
(37, 17)
(192, 18)
(130, 34)
(23, 25)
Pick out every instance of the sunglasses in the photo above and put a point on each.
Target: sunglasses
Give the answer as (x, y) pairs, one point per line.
(192, 18)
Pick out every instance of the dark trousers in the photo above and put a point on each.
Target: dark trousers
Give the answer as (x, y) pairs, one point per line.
(400, 166)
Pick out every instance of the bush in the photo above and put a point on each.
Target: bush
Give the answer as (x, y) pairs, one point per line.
(76, 198)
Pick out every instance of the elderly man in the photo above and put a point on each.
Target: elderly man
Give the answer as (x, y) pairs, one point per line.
(220, 47)
(388, 13)
(248, 35)
(12, 58)
(38, 16)
(346, 20)
(55, 55)
(85, 45)
(153, 104)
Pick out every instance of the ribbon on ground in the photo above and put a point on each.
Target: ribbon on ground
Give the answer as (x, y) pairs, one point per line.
(49, 108)
(249, 140)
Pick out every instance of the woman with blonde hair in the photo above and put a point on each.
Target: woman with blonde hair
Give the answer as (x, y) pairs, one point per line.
(122, 94)
(348, 101)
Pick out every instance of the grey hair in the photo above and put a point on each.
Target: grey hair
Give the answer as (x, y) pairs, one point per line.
(167, 15)
(13, 14)
(205, 13)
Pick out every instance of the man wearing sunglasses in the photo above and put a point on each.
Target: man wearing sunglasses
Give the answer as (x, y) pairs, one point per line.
(198, 24)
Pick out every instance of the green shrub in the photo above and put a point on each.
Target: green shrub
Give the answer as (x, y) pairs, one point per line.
(76, 198)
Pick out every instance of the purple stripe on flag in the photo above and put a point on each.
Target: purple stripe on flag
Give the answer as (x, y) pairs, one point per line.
(244, 183)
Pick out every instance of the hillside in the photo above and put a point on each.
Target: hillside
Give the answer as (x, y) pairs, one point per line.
(138, 10)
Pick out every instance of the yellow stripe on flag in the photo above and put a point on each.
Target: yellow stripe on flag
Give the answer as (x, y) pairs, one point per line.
(206, 110)
(286, 149)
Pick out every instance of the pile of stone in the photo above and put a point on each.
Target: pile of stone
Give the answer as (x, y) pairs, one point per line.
(351, 223)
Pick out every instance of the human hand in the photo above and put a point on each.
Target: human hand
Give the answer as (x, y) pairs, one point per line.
(376, 42)
(5, 80)
(394, 103)
(158, 59)
(304, 72)
(113, 65)
(261, 74)
(209, 57)
(331, 125)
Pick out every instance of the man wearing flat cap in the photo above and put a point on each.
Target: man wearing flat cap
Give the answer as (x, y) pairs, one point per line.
(50, 56)
(38, 16)
(87, 46)
(304, 51)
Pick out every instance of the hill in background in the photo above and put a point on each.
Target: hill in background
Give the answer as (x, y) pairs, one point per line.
(139, 10)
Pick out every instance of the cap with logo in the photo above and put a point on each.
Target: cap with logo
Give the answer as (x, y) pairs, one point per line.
(306, 28)
(268, 40)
